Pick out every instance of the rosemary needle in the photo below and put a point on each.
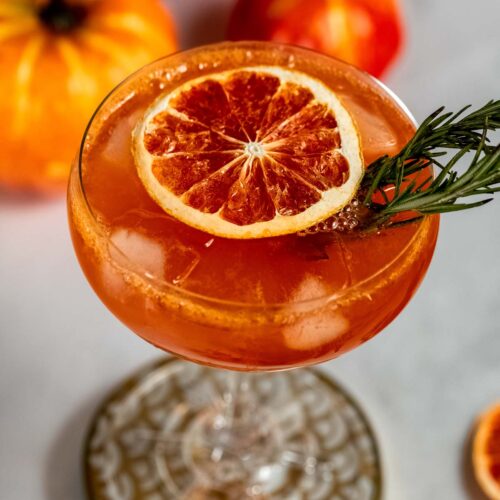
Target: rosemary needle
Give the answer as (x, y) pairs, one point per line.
(441, 133)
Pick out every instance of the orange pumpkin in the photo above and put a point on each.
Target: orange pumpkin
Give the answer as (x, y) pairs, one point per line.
(58, 59)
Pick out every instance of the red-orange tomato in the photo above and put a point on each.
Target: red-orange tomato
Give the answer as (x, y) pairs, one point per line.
(58, 60)
(366, 33)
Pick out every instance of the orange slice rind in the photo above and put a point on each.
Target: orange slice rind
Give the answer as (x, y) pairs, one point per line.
(249, 153)
(486, 452)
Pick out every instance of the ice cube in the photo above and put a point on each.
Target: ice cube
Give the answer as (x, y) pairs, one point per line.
(117, 148)
(135, 250)
(318, 325)
(164, 258)
(315, 329)
(181, 261)
(378, 136)
(112, 279)
(311, 287)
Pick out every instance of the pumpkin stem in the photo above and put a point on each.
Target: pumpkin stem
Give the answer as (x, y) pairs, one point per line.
(60, 17)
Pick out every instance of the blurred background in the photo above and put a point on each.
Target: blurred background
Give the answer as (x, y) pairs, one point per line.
(422, 382)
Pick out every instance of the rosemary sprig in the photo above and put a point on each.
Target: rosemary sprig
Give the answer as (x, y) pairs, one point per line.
(439, 134)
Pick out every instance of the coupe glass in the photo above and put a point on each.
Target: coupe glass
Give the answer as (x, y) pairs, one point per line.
(141, 264)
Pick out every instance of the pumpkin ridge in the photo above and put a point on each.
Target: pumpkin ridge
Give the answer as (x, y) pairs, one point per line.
(20, 27)
(131, 23)
(79, 81)
(24, 76)
(100, 43)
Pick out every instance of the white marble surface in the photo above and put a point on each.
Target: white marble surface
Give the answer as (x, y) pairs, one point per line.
(422, 381)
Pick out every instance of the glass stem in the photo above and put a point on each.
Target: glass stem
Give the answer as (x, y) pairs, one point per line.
(237, 400)
(235, 439)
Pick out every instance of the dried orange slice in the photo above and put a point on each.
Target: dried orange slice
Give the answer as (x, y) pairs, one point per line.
(486, 452)
(249, 153)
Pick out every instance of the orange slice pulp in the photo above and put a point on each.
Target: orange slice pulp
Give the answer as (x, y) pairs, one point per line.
(486, 452)
(249, 153)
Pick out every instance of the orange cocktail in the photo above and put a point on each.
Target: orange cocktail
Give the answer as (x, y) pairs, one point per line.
(252, 304)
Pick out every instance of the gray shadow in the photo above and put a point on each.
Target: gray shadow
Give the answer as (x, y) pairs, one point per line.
(205, 24)
(63, 475)
(469, 483)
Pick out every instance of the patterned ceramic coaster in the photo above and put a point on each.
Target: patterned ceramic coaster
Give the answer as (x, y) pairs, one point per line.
(136, 448)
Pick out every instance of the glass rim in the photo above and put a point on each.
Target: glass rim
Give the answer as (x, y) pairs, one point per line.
(175, 289)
